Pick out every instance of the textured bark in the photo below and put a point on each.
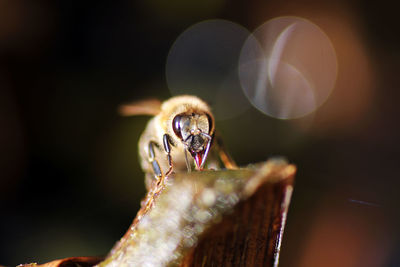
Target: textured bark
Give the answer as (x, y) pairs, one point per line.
(238, 216)
(251, 235)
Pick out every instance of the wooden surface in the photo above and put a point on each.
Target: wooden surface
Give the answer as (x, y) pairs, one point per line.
(250, 236)
(211, 218)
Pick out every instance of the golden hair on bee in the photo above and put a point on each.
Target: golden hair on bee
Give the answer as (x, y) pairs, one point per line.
(184, 104)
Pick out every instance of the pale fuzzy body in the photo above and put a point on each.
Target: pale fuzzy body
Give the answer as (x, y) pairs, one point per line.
(162, 124)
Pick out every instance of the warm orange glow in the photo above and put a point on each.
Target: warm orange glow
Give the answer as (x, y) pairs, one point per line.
(346, 235)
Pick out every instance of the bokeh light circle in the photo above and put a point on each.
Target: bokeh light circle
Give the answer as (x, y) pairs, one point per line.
(203, 61)
(288, 67)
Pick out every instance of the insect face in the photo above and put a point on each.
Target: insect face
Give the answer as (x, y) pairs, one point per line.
(195, 132)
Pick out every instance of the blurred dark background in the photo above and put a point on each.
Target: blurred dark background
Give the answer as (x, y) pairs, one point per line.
(70, 180)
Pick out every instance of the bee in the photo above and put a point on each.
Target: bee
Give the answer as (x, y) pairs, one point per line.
(179, 137)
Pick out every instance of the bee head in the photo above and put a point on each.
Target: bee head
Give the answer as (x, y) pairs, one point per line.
(195, 131)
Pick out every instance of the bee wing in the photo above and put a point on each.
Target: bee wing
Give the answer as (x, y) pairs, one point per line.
(143, 107)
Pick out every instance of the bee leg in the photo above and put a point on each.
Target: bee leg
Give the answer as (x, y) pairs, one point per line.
(226, 159)
(154, 163)
(189, 168)
(167, 147)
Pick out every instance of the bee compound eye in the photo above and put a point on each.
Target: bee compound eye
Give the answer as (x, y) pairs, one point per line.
(176, 126)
